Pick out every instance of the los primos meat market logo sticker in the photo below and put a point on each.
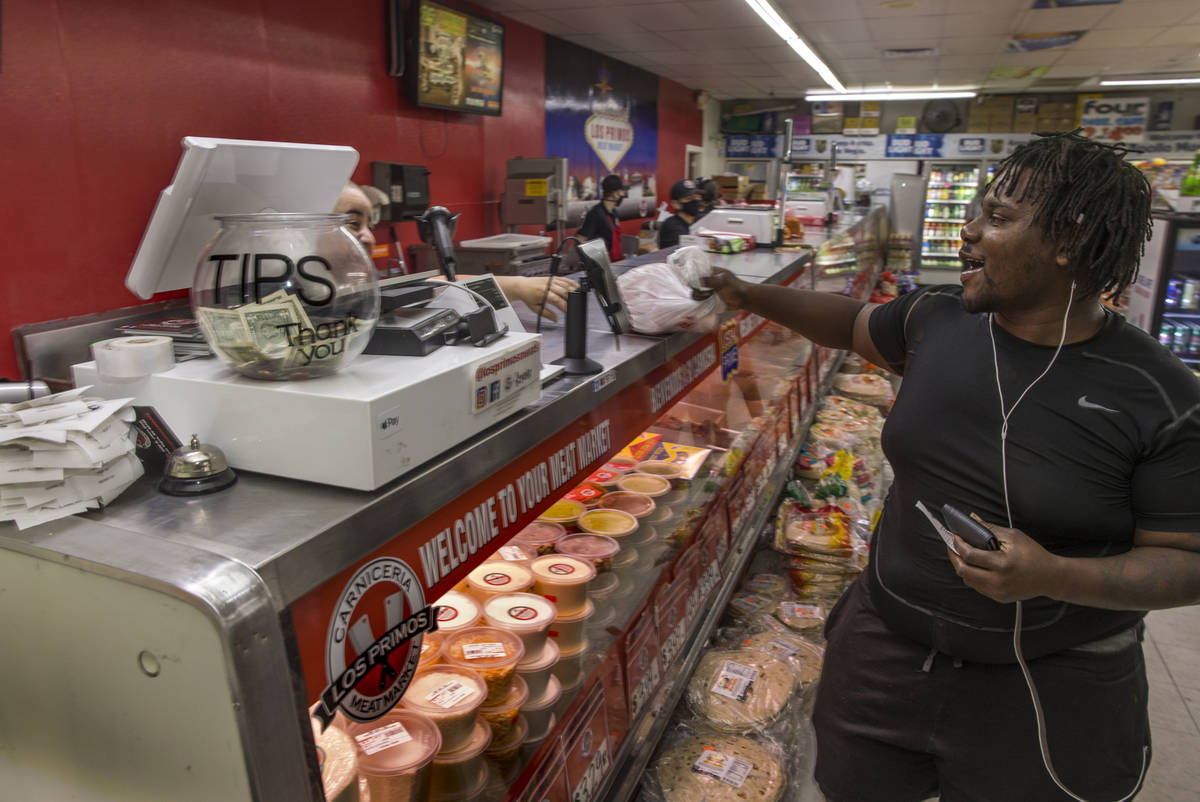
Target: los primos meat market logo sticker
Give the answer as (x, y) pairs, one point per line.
(374, 641)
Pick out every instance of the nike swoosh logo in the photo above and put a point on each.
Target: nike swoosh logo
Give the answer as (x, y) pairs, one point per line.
(1083, 402)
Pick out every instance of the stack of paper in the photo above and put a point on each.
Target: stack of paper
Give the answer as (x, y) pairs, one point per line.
(63, 454)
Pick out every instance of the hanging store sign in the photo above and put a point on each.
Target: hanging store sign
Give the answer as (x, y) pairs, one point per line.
(909, 146)
(1115, 119)
(751, 146)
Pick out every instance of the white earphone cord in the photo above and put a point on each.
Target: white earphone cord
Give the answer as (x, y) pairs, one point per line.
(1004, 416)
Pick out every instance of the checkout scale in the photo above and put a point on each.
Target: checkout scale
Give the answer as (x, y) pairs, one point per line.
(382, 414)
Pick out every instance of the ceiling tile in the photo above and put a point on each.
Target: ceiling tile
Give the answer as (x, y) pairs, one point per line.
(643, 41)
(966, 62)
(589, 20)
(905, 28)
(977, 24)
(805, 11)
(844, 31)
(969, 45)
(541, 22)
(593, 42)
(751, 70)
(742, 56)
(1157, 12)
(992, 7)
(1109, 38)
(1178, 35)
(723, 38)
(876, 9)
(848, 50)
(1038, 59)
(670, 17)
(676, 57)
(1074, 70)
(1052, 20)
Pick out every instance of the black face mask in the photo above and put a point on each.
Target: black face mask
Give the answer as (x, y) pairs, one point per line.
(691, 208)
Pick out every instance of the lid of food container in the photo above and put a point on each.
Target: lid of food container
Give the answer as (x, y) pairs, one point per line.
(562, 511)
(520, 612)
(539, 533)
(400, 742)
(613, 523)
(646, 483)
(444, 688)
(587, 546)
(489, 641)
(563, 570)
(500, 576)
(456, 611)
(639, 505)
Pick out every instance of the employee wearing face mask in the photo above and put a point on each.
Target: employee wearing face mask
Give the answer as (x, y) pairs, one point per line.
(361, 204)
(685, 200)
(602, 221)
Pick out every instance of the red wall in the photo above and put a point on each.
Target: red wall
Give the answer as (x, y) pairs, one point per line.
(95, 98)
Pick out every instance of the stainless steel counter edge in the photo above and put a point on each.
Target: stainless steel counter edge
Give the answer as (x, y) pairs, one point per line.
(296, 535)
(234, 598)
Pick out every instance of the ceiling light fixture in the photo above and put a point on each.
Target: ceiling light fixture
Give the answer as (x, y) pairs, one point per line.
(914, 94)
(770, 16)
(1150, 81)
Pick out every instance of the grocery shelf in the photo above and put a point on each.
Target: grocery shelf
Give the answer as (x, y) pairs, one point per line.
(632, 758)
(945, 219)
(1188, 315)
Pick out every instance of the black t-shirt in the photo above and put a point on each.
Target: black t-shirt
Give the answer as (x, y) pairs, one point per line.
(596, 223)
(672, 229)
(1106, 442)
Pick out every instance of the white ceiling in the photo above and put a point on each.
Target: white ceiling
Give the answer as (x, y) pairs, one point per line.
(722, 46)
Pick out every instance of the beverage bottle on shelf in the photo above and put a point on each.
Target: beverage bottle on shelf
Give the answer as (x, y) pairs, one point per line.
(1174, 290)
(1166, 334)
(1183, 333)
(1187, 297)
(1194, 343)
(1191, 182)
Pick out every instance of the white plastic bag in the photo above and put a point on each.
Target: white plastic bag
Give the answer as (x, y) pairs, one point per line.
(692, 265)
(659, 296)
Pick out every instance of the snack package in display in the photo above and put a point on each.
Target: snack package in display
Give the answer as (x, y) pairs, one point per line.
(804, 656)
(868, 388)
(803, 617)
(798, 531)
(719, 768)
(740, 690)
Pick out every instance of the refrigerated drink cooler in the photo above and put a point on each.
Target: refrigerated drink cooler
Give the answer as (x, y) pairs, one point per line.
(951, 188)
(1165, 300)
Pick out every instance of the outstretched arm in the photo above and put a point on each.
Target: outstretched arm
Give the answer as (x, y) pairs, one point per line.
(825, 318)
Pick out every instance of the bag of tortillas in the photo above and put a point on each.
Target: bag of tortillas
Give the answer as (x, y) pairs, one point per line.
(671, 296)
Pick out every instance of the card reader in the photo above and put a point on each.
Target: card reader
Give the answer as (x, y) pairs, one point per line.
(409, 331)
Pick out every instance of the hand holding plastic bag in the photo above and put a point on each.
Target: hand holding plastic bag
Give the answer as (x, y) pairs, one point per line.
(672, 296)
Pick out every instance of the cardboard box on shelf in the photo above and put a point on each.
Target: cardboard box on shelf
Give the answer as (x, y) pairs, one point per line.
(977, 126)
(1024, 123)
(1055, 124)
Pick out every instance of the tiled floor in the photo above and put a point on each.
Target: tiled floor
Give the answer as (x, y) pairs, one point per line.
(1173, 665)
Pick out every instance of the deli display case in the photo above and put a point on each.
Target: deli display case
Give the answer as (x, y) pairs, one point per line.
(228, 636)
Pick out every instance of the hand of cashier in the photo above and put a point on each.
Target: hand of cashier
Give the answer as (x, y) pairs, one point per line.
(530, 290)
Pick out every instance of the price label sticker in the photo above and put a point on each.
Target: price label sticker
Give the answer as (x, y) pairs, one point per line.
(450, 694)
(776, 646)
(798, 610)
(726, 768)
(513, 553)
(483, 651)
(382, 738)
(735, 681)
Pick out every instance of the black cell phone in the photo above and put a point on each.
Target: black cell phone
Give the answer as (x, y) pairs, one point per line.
(974, 533)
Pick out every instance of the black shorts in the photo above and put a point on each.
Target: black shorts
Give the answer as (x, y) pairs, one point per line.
(890, 731)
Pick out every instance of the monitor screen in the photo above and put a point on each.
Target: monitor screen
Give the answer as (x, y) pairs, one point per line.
(458, 60)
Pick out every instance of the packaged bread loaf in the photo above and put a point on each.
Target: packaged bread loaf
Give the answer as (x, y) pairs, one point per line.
(720, 768)
(740, 690)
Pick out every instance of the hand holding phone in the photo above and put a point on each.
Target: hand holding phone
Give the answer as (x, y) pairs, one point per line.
(974, 533)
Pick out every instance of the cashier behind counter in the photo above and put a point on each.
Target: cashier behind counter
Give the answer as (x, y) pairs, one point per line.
(362, 204)
(602, 221)
(685, 200)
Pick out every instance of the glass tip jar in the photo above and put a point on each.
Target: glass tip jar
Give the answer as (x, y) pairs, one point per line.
(285, 296)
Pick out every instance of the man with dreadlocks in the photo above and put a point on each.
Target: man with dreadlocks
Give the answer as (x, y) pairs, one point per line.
(1015, 673)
